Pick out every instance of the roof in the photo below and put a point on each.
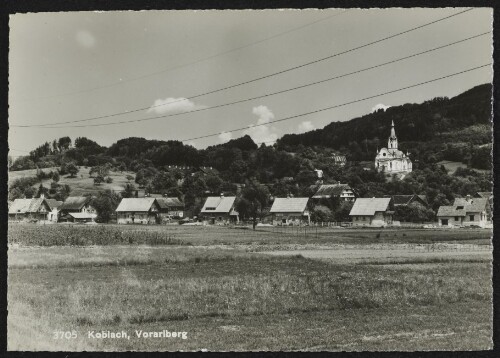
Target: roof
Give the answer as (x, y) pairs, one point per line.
(166, 203)
(53, 203)
(474, 205)
(26, 205)
(135, 204)
(218, 204)
(83, 215)
(406, 199)
(289, 205)
(450, 211)
(484, 194)
(369, 206)
(329, 190)
(74, 202)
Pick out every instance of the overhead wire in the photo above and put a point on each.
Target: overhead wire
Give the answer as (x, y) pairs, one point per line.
(192, 62)
(46, 125)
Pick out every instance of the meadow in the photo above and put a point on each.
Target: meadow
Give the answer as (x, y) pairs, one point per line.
(228, 291)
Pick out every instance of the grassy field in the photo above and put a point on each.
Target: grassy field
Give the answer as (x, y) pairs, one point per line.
(82, 183)
(216, 285)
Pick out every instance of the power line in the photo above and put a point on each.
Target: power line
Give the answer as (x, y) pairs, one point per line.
(253, 98)
(338, 105)
(193, 62)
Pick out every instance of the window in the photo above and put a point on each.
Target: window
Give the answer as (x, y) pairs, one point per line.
(209, 208)
(471, 217)
(444, 221)
(460, 207)
(456, 218)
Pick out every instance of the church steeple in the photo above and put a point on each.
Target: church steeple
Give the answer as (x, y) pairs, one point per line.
(393, 140)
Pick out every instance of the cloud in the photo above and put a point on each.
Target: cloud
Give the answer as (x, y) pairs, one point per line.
(170, 104)
(262, 133)
(85, 38)
(306, 126)
(225, 137)
(379, 106)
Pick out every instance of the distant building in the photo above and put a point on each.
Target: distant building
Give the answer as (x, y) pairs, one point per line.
(405, 200)
(290, 211)
(137, 211)
(220, 210)
(29, 209)
(342, 191)
(339, 160)
(391, 160)
(372, 212)
(77, 204)
(465, 212)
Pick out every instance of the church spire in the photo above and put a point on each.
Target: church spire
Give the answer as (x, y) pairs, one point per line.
(393, 140)
(393, 132)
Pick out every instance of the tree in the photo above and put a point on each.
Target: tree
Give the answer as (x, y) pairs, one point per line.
(321, 213)
(72, 169)
(98, 180)
(105, 205)
(56, 176)
(64, 143)
(254, 201)
(129, 191)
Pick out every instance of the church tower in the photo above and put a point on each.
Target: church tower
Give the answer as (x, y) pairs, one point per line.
(393, 140)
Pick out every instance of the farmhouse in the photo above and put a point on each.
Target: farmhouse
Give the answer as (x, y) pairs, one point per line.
(220, 210)
(290, 211)
(405, 200)
(372, 212)
(465, 212)
(170, 207)
(342, 191)
(137, 211)
(29, 209)
(391, 160)
(77, 204)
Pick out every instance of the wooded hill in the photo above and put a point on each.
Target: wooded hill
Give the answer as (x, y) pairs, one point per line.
(454, 129)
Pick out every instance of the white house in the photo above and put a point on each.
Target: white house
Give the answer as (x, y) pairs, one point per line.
(220, 210)
(290, 211)
(137, 211)
(372, 212)
(465, 212)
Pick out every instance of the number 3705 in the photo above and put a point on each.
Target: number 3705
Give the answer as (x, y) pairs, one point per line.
(64, 335)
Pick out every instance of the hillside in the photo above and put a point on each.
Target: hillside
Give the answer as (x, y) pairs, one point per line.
(81, 184)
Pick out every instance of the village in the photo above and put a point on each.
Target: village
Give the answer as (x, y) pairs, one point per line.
(473, 210)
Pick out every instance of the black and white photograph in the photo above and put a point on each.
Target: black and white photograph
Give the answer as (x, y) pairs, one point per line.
(313, 180)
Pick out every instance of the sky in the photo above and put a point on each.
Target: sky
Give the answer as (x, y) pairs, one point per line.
(67, 67)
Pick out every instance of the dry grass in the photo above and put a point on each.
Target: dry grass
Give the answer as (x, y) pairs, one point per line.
(190, 286)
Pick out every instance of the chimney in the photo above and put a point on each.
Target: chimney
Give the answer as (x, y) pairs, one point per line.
(221, 195)
(42, 196)
(468, 198)
(288, 196)
(338, 182)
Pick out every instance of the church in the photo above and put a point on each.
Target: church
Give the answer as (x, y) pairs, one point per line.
(391, 160)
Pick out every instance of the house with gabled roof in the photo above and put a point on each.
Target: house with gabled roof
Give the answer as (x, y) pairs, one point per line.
(290, 211)
(77, 204)
(169, 207)
(466, 211)
(29, 209)
(372, 212)
(137, 211)
(342, 191)
(405, 200)
(220, 210)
